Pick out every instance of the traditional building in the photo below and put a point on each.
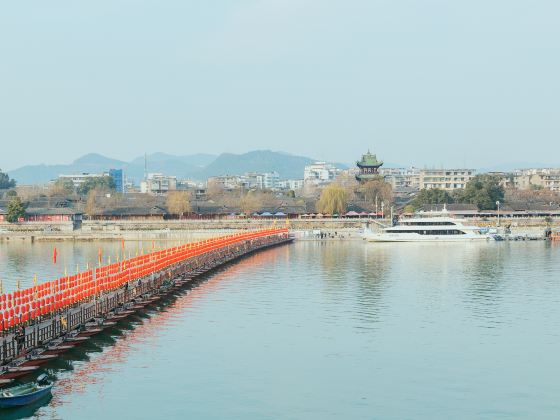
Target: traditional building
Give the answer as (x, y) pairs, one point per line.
(369, 167)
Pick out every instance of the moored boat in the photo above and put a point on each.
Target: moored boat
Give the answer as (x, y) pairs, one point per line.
(73, 339)
(4, 382)
(116, 317)
(13, 372)
(428, 227)
(20, 395)
(125, 312)
(38, 359)
(88, 332)
(56, 349)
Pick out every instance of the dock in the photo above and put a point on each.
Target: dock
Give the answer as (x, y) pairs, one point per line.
(52, 317)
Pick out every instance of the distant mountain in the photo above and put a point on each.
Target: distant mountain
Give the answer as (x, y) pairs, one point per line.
(96, 160)
(181, 166)
(198, 159)
(41, 174)
(197, 166)
(288, 166)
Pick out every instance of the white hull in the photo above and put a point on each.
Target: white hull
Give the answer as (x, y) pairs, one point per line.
(403, 237)
(428, 229)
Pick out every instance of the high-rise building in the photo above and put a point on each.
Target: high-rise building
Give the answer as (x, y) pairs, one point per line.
(118, 179)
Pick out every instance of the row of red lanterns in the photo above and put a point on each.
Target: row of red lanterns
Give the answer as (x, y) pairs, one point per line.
(21, 306)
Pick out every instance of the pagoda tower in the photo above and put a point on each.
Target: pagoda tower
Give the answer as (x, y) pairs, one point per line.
(369, 167)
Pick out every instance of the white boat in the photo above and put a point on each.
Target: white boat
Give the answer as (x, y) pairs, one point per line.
(428, 227)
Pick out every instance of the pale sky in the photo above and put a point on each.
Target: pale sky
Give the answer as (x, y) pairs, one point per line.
(426, 82)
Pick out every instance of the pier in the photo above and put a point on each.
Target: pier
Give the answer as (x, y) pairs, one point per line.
(41, 321)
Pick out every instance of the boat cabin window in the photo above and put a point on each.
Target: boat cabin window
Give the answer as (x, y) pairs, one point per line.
(429, 232)
(428, 223)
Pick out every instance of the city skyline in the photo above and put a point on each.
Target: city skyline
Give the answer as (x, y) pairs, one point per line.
(388, 163)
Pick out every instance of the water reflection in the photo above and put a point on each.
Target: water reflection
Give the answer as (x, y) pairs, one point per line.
(399, 330)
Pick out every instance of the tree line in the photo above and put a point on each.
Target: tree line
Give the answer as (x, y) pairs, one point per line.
(483, 190)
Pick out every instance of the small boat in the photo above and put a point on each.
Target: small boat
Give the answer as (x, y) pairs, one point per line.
(56, 349)
(126, 312)
(4, 382)
(88, 332)
(20, 395)
(38, 359)
(13, 372)
(74, 340)
(116, 317)
(101, 323)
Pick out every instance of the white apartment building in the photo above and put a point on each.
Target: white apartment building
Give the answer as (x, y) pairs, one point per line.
(291, 184)
(262, 181)
(268, 180)
(445, 179)
(401, 178)
(158, 184)
(320, 173)
(79, 179)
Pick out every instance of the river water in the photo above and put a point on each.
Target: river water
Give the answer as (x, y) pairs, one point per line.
(333, 330)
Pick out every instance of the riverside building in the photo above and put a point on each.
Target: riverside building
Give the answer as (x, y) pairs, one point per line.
(402, 178)
(320, 173)
(158, 184)
(537, 178)
(369, 167)
(445, 179)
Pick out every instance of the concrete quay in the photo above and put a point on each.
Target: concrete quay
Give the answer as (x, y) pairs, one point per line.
(188, 229)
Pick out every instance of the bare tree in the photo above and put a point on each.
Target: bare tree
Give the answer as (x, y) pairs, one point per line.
(214, 191)
(250, 202)
(375, 190)
(178, 202)
(349, 183)
(92, 206)
(61, 187)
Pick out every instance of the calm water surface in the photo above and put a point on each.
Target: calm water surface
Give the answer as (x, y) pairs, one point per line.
(336, 330)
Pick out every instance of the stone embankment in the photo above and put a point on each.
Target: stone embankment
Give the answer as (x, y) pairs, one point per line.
(141, 230)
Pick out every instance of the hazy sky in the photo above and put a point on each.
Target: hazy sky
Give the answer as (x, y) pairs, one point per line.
(425, 82)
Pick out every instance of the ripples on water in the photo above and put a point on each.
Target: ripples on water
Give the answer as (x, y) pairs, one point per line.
(337, 330)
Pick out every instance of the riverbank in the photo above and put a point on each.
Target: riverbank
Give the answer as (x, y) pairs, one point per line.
(181, 230)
